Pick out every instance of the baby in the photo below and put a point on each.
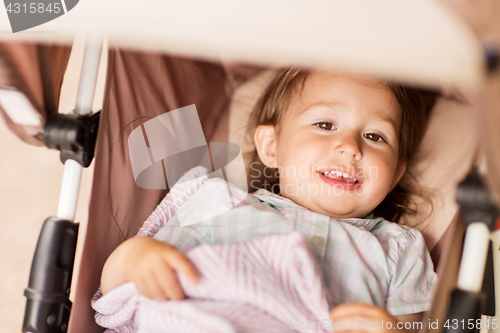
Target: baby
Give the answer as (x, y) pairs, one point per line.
(334, 149)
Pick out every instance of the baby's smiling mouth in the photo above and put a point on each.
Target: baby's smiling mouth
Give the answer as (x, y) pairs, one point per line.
(339, 176)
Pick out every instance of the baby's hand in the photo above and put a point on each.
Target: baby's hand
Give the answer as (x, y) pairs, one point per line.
(152, 265)
(355, 317)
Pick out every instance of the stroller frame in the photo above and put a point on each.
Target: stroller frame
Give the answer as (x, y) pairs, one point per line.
(51, 313)
(472, 286)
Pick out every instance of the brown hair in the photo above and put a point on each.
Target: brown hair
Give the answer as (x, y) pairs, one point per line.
(415, 105)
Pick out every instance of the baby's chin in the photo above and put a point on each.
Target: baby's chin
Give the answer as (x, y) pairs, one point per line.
(336, 211)
(325, 206)
(344, 214)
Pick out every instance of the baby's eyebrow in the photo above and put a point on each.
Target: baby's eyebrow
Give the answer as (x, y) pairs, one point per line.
(390, 120)
(316, 105)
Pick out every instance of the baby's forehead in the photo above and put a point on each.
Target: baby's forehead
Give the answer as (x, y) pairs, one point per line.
(328, 76)
(327, 86)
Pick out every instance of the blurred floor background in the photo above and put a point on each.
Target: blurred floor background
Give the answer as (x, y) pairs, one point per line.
(30, 181)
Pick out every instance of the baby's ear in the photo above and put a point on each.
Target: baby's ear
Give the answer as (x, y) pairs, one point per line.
(398, 173)
(265, 143)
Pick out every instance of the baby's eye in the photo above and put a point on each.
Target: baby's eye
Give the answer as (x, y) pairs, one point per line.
(374, 137)
(326, 125)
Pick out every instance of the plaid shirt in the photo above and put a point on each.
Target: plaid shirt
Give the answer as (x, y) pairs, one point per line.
(371, 260)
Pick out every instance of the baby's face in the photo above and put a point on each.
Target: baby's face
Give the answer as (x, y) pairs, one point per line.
(337, 149)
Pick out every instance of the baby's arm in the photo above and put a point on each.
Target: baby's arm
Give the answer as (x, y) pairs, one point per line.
(356, 317)
(150, 264)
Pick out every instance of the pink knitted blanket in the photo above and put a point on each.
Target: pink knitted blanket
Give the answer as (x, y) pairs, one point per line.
(270, 284)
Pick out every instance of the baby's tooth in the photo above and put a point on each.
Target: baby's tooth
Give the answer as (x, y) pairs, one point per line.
(346, 175)
(339, 173)
(327, 172)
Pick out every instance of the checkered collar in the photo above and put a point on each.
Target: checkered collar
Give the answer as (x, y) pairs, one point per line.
(279, 202)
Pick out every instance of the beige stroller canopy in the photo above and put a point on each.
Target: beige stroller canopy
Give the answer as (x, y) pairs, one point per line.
(173, 54)
(418, 41)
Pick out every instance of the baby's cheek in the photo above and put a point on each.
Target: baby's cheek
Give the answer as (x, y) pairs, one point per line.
(386, 170)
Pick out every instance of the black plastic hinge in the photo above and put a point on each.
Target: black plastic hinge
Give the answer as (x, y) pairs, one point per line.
(73, 135)
(476, 203)
(48, 306)
(465, 309)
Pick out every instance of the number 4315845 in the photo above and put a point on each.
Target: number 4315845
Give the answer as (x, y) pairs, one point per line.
(33, 8)
(470, 324)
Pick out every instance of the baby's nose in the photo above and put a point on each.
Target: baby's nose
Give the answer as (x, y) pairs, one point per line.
(349, 146)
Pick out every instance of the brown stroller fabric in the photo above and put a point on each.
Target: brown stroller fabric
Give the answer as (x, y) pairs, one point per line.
(140, 87)
(21, 67)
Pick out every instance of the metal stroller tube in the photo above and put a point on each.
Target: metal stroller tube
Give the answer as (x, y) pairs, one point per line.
(72, 169)
(477, 239)
(48, 306)
(479, 214)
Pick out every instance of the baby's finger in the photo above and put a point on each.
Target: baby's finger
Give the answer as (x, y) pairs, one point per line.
(159, 287)
(354, 309)
(169, 283)
(149, 288)
(179, 261)
(354, 324)
(158, 278)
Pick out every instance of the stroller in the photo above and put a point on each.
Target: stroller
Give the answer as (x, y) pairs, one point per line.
(142, 85)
